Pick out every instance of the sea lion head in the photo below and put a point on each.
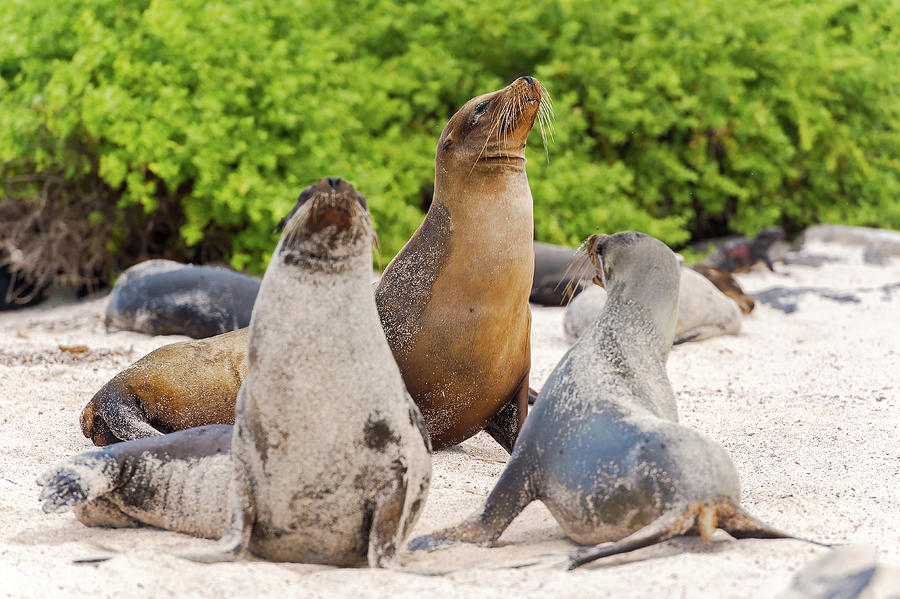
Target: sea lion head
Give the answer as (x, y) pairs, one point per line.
(490, 130)
(329, 225)
(637, 267)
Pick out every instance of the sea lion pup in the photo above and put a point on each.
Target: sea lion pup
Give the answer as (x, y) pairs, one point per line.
(163, 297)
(328, 461)
(454, 301)
(602, 448)
(174, 387)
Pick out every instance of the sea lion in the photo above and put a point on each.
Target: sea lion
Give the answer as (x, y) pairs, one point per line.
(462, 340)
(328, 460)
(174, 387)
(602, 448)
(726, 283)
(162, 297)
(703, 311)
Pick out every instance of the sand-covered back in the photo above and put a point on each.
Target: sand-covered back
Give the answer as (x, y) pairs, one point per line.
(807, 403)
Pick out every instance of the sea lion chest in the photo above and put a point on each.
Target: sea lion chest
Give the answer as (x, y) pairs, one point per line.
(320, 418)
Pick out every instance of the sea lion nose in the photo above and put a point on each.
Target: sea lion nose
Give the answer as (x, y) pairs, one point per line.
(528, 80)
(334, 182)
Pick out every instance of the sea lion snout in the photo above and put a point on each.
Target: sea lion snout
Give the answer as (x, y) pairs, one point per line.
(329, 221)
(329, 215)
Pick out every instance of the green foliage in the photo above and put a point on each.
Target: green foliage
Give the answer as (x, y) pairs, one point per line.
(682, 119)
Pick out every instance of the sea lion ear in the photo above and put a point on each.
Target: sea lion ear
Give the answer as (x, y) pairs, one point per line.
(301, 199)
(362, 200)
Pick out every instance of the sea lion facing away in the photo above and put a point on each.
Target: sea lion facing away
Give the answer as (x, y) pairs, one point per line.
(328, 460)
(703, 311)
(454, 301)
(602, 448)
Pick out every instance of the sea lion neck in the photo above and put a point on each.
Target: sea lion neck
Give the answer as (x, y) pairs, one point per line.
(643, 289)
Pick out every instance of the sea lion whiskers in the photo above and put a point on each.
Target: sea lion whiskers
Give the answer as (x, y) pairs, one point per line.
(545, 119)
(594, 249)
(505, 119)
(577, 266)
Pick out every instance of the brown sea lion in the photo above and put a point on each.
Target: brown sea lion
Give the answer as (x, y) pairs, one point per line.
(603, 449)
(328, 461)
(174, 387)
(454, 301)
(726, 283)
(461, 341)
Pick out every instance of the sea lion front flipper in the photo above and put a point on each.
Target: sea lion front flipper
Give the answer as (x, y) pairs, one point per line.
(387, 527)
(504, 427)
(514, 490)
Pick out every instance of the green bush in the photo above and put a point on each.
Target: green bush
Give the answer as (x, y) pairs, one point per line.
(683, 119)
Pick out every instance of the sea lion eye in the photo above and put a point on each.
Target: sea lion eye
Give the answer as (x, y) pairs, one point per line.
(480, 110)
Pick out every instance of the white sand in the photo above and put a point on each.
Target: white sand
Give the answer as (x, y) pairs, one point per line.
(808, 405)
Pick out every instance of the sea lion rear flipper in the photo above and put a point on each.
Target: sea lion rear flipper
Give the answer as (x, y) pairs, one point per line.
(77, 480)
(742, 525)
(387, 529)
(514, 490)
(504, 427)
(670, 524)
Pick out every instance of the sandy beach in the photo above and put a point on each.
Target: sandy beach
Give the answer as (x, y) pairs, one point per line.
(807, 403)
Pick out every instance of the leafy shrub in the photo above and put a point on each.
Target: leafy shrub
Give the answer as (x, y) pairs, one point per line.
(682, 119)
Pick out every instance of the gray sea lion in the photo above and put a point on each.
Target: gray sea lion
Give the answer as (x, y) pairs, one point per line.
(602, 448)
(162, 297)
(848, 572)
(463, 341)
(703, 311)
(328, 461)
